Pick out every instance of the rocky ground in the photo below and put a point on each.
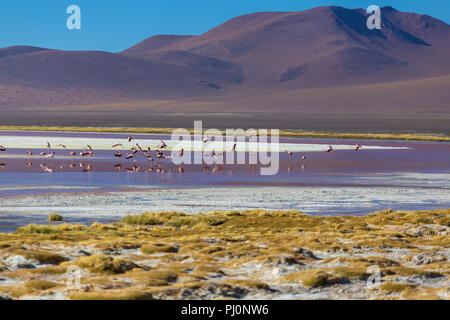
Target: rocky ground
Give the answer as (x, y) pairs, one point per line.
(238, 255)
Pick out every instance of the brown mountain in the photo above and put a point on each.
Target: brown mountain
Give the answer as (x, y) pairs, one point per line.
(269, 61)
(325, 46)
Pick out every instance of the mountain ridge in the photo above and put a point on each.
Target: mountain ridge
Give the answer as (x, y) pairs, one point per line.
(323, 47)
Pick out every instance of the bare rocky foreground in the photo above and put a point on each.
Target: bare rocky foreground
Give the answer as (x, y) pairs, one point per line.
(239, 255)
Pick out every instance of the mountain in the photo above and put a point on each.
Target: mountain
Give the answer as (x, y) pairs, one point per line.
(275, 54)
(320, 47)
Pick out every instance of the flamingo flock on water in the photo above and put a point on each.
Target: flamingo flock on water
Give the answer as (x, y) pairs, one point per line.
(134, 151)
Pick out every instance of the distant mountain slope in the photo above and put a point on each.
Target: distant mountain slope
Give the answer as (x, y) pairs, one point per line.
(330, 45)
(273, 52)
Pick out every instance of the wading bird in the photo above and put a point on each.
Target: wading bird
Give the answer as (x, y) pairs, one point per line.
(129, 138)
(50, 155)
(117, 145)
(159, 154)
(48, 170)
(2, 148)
(330, 148)
(88, 168)
(148, 156)
(118, 154)
(163, 145)
(357, 147)
(289, 153)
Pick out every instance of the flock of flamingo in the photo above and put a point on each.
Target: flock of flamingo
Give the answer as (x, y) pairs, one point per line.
(132, 153)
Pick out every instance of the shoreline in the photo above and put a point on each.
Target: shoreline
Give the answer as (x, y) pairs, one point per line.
(99, 205)
(283, 133)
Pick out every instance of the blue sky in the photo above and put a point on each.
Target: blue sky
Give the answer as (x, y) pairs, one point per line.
(114, 25)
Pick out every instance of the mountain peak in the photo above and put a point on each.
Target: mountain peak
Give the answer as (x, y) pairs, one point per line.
(322, 47)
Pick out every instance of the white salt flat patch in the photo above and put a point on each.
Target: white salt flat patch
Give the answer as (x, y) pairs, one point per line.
(441, 180)
(313, 200)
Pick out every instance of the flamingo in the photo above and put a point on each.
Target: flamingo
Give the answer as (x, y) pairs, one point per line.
(289, 153)
(48, 145)
(88, 168)
(73, 154)
(129, 138)
(357, 147)
(29, 153)
(29, 164)
(234, 147)
(43, 153)
(330, 148)
(159, 154)
(303, 158)
(2, 148)
(2, 166)
(129, 156)
(163, 145)
(48, 170)
(50, 155)
(116, 145)
(118, 154)
(148, 156)
(117, 167)
(181, 153)
(206, 139)
(62, 146)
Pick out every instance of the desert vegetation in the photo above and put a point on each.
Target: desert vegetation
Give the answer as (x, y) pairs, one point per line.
(238, 255)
